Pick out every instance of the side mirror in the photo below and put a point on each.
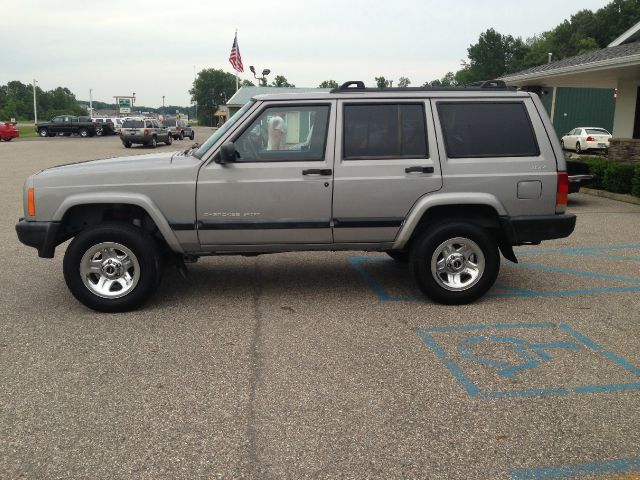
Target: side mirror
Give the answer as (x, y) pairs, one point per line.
(227, 153)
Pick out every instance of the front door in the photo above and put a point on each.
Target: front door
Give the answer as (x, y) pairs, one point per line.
(636, 124)
(278, 191)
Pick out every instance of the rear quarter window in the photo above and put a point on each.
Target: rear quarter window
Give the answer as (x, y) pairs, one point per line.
(484, 129)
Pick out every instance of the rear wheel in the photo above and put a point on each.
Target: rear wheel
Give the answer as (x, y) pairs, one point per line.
(578, 148)
(153, 143)
(99, 132)
(127, 144)
(113, 267)
(455, 262)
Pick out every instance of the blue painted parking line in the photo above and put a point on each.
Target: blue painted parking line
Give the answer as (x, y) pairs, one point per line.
(360, 264)
(530, 355)
(591, 470)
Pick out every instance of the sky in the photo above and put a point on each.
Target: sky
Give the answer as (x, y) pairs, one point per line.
(155, 48)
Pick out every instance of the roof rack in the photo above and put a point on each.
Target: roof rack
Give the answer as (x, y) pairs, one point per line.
(354, 86)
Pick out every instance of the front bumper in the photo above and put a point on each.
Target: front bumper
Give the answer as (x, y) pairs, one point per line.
(529, 229)
(43, 236)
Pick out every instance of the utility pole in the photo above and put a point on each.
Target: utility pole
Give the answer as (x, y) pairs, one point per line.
(90, 103)
(35, 107)
(162, 101)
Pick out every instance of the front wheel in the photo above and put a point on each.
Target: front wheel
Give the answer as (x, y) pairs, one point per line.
(455, 263)
(192, 135)
(169, 140)
(83, 132)
(113, 267)
(43, 132)
(578, 148)
(99, 132)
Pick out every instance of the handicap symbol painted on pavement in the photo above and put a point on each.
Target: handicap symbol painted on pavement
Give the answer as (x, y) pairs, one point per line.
(531, 354)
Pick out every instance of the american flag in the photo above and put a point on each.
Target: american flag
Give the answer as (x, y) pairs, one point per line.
(234, 57)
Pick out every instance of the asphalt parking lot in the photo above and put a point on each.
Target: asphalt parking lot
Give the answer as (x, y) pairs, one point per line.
(322, 365)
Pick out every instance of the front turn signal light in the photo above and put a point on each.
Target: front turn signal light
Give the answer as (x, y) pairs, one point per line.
(31, 202)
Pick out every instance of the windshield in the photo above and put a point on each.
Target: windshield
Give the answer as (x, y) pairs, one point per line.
(223, 129)
(597, 131)
(133, 124)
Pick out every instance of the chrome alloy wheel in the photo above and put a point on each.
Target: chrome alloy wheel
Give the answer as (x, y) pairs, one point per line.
(457, 264)
(109, 270)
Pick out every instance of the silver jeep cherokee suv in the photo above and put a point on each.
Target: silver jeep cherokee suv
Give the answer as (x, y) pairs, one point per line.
(444, 179)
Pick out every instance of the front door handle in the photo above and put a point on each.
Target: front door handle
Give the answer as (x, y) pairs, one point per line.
(418, 170)
(318, 171)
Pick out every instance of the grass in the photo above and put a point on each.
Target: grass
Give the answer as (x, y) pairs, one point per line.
(27, 132)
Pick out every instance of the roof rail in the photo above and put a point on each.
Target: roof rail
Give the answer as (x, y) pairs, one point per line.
(359, 85)
(488, 84)
(355, 86)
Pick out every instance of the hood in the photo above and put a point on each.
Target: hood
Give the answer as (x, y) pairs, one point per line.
(132, 162)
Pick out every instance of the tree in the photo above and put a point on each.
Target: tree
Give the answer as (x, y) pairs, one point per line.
(382, 82)
(281, 81)
(247, 83)
(212, 87)
(449, 80)
(403, 82)
(328, 84)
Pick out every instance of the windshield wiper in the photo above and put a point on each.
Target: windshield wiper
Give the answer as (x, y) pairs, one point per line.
(193, 147)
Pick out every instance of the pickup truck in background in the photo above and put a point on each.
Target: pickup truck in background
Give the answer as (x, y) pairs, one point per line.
(67, 125)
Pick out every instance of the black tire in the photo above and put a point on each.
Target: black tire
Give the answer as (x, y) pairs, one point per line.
(66, 134)
(43, 132)
(139, 242)
(399, 255)
(181, 136)
(192, 135)
(578, 148)
(83, 132)
(169, 140)
(426, 247)
(127, 144)
(154, 142)
(99, 132)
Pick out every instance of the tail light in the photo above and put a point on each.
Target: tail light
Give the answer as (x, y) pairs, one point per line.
(562, 193)
(31, 202)
(590, 139)
(146, 132)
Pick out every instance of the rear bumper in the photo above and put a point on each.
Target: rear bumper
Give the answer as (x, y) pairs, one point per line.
(534, 229)
(43, 236)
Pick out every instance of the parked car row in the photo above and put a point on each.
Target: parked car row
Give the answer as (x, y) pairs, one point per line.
(150, 132)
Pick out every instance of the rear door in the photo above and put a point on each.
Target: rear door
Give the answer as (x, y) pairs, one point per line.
(279, 189)
(386, 158)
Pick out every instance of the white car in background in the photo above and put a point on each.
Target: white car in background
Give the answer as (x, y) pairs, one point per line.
(582, 139)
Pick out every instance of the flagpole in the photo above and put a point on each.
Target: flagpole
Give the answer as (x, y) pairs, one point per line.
(236, 40)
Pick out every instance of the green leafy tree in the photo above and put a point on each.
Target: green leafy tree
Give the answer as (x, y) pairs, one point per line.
(211, 88)
(247, 83)
(382, 82)
(328, 84)
(281, 81)
(403, 82)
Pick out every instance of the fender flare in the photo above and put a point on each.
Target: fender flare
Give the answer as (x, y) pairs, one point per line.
(137, 199)
(428, 201)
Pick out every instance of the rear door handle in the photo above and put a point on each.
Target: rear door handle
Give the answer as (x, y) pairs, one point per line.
(418, 170)
(318, 171)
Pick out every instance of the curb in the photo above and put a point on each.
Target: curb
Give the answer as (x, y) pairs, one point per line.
(620, 197)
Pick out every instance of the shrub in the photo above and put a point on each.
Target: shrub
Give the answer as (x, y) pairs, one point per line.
(618, 177)
(635, 183)
(598, 167)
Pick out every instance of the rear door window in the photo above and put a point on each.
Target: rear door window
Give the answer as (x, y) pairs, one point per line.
(484, 129)
(379, 131)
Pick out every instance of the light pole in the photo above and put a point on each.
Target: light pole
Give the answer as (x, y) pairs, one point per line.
(162, 101)
(35, 107)
(263, 78)
(90, 103)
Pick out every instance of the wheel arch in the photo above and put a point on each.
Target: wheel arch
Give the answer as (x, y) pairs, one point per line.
(80, 211)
